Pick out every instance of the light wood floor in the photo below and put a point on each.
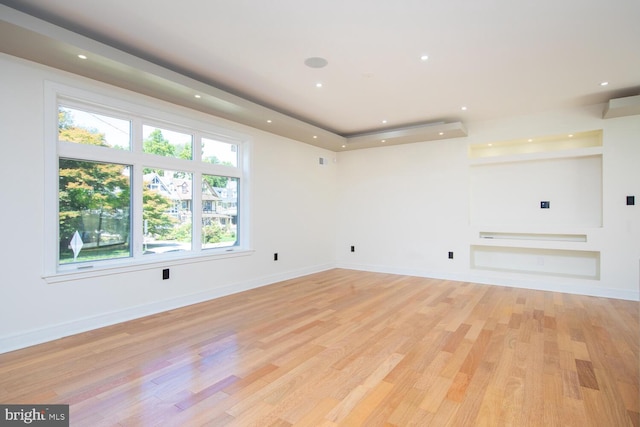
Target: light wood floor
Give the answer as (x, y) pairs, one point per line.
(349, 348)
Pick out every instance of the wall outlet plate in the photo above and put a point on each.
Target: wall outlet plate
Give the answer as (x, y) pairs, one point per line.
(631, 200)
(545, 204)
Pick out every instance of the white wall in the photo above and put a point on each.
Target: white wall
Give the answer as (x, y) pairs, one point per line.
(291, 209)
(405, 207)
(509, 193)
(621, 159)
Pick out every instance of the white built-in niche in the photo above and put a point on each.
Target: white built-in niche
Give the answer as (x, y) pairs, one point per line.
(535, 203)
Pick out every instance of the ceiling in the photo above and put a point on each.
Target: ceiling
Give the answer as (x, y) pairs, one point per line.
(247, 58)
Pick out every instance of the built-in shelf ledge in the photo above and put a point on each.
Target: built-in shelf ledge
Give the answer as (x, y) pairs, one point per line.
(534, 236)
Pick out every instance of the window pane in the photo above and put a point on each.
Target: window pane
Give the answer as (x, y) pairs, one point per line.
(219, 153)
(94, 205)
(219, 211)
(85, 127)
(163, 142)
(167, 211)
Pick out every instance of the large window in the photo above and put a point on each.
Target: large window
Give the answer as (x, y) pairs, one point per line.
(133, 188)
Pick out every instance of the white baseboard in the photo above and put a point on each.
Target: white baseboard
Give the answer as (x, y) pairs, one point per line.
(569, 286)
(50, 333)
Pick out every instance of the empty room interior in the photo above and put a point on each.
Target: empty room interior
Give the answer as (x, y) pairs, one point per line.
(362, 213)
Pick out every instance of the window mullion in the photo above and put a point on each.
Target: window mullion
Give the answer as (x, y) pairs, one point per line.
(92, 153)
(196, 151)
(51, 218)
(196, 191)
(136, 136)
(86, 141)
(137, 226)
(196, 213)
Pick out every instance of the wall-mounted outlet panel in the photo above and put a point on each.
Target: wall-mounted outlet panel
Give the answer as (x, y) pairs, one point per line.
(165, 274)
(275, 256)
(353, 248)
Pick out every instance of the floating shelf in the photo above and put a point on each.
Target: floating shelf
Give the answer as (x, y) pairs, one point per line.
(533, 236)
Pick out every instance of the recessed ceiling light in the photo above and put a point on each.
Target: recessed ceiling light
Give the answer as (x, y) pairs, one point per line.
(441, 133)
(384, 140)
(570, 135)
(81, 56)
(463, 108)
(490, 145)
(269, 121)
(344, 146)
(315, 136)
(197, 96)
(424, 57)
(604, 83)
(318, 84)
(384, 122)
(529, 140)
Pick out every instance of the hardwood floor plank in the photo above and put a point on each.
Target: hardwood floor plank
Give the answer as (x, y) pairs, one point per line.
(629, 394)
(458, 387)
(349, 348)
(597, 409)
(393, 400)
(438, 389)
(586, 374)
(201, 395)
(571, 384)
(346, 405)
(407, 408)
(452, 367)
(454, 339)
(361, 412)
(317, 415)
(552, 384)
(573, 413)
(470, 406)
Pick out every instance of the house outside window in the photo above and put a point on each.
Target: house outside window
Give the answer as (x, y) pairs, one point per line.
(126, 187)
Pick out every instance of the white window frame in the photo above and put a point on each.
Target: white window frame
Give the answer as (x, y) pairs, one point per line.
(139, 110)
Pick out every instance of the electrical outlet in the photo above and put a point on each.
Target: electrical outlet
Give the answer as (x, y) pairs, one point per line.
(275, 256)
(631, 200)
(165, 274)
(353, 248)
(545, 205)
(450, 255)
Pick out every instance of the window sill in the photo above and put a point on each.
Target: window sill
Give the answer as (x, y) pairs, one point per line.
(132, 266)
